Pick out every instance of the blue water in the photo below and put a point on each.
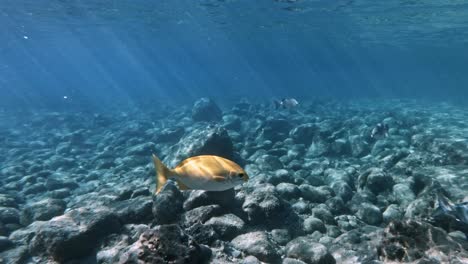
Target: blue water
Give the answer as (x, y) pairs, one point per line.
(139, 51)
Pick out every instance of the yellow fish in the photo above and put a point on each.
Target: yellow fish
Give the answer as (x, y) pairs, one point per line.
(206, 172)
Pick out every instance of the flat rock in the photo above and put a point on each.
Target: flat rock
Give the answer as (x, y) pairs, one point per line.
(165, 244)
(74, 234)
(9, 215)
(167, 205)
(227, 226)
(410, 241)
(257, 244)
(134, 211)
(206, 109)
(305, 249)
(42, 210)
(201, 214)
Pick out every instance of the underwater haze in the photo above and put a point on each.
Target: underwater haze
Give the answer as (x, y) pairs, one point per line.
(100, 52)
(233, 131)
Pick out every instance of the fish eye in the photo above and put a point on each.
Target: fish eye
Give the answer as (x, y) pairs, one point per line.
(241, 175)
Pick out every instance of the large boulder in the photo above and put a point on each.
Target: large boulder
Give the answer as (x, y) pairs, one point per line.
(226, 199)
(257, 244)
(411, 240)
(9, 215)
(201, 214)
(135, 210)
(165, 244)
(275, 129)
(170, 134)
(72, 235)
(206, 109)
(304, 133)
(375, 180)
(227, 226)
(42, 210)
(305, 249)
(264, 207)
(203, 140)
(167, 205)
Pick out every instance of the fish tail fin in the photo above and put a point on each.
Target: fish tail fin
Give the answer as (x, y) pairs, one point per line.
(162, 173)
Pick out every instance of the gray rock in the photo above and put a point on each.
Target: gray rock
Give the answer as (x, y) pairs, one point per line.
(9, 215)
(376, 180)
(403, 194)
(312, 224)
(259, 245)
(232, 122)
(206, 109)
(360, 197)
(392, 213)
(15, 255)
(203, 140)
(135, 211)
(263, 207)
(280, 236)
(310, 252)
(73, 235)
(60, 193)
(54, 184)
(269, 163)
(342, 189)
(370, 214)
(301, 207)
(359, 146)
(419, 208)
(112, 248)
(423, 240)
(201, 214)
(197, 198)
(227, 226)
(336, 175)
(348, 222)
(340, 146)
(171, 134)
(288, 190)
(7, 201)
(274, 130)
(312, 193)
(42, 210)
(321, 212)
(333, 231)
(35, 189)
(292, 261)
(165, 244)
(336, 205)
(304, 133)
(280, 176)
(5, 243)
(167, 205)
(318, 147)
(203, 234)
(250, 260)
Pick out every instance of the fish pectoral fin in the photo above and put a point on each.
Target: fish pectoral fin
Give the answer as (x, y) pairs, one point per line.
(182, 186)
(219, 178)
